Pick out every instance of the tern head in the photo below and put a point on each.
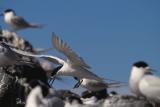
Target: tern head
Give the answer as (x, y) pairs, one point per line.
(8, 11)
(143, 66)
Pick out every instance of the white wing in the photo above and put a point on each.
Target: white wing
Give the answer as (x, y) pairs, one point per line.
(150, 86)
(152, 80)
(62, 47)
(53, 59)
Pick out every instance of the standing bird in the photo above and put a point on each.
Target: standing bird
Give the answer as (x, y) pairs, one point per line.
(17, 22)
(144, 83)
(137, 72)
(73, 66)
(149, 85)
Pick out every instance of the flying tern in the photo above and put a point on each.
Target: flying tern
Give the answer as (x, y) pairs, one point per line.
(74, 65)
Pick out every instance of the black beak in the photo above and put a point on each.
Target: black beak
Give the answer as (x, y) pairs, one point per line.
(51, 80)
(154, 70)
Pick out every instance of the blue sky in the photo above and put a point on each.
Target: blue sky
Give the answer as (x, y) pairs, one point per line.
(109, 34)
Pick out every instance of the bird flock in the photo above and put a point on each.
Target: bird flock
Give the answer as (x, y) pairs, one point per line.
(143, 83)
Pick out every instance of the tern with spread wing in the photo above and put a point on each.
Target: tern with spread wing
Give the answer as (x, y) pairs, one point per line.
(73, 66)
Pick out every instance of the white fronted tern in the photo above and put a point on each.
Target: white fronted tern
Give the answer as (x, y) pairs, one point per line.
(17, 22)
(136, 75)
(144, 83)
(73, 66)
(149, 85)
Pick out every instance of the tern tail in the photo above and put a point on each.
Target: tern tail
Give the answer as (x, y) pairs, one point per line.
(115, 85)
(33, 25)
(113, 80)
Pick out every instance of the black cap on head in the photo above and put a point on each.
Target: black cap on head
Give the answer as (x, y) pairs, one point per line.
(8, 10)
(140, 64)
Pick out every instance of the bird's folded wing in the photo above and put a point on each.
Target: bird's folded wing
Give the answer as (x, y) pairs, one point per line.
(53, 59)
(17, 20)
(62, 47)
(152, 80)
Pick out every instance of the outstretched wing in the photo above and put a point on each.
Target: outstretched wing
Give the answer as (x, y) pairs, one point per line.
(53, 59)
(62, 47)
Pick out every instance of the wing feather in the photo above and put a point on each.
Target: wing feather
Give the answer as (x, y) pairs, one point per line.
(17, 20)
(62, 47)
(53, 59)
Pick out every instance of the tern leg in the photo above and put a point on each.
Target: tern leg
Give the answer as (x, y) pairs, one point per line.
(51, 80)
(78, 84)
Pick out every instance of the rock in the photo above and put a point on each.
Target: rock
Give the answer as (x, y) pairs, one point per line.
(7, 89)
(125, 101)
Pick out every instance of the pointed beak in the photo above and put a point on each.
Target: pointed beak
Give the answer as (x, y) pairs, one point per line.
(151, 70)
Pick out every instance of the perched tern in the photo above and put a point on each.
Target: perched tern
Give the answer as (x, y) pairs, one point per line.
(94, 85)
(137, 73)
(17, 22)
(144, 83)
(73, 66)
(149, 85)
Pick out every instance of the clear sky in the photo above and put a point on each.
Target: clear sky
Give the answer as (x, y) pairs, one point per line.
(109, 34)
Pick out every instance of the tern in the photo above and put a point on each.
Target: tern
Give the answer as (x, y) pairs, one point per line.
(94, 85)
(74, 65)
(149, 85)
(144, 83)
(41, 96)
(17, 22)
(137, 72)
